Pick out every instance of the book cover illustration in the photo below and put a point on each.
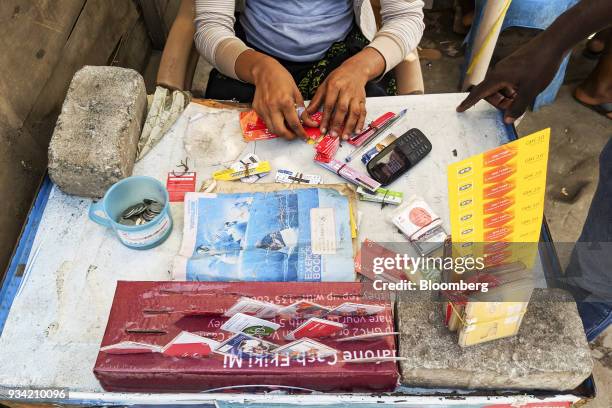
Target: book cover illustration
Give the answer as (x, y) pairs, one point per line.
(290, 235)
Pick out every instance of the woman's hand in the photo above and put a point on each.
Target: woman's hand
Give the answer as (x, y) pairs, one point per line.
(276, 94)
(342, 94)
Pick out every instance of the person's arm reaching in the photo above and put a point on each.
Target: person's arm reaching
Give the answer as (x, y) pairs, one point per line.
(342, 94)
(276, 94)
(517, 80)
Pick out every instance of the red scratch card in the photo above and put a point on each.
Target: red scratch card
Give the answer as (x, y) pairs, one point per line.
(187, 344)
(360, 138)
(315, 328)
(327, 148)
(179, 184)
(254, 128)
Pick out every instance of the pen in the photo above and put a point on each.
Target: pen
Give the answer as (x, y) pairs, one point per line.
(383, 128)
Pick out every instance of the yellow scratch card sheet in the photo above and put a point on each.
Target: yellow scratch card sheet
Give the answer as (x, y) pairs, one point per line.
(498, 196)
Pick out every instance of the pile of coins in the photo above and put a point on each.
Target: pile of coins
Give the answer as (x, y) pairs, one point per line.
(141, 213)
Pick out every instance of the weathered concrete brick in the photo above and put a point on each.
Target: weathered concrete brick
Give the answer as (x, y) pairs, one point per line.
(95, 139)
(550, 351)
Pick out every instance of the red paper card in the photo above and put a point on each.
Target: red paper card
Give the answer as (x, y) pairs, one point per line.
(179, 184)
(316, 328)
(187, 344)
(254, 128)
(327, 148)
(364, 262)
(359, 139)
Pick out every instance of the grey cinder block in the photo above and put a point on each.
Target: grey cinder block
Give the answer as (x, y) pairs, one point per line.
(550, 351)
(95, 139)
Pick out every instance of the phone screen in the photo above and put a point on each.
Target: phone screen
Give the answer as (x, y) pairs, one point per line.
(388, 165)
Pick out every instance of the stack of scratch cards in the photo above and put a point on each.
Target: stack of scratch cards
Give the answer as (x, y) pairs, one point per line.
(247, 321)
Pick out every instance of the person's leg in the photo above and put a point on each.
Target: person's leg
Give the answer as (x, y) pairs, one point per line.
(225, 88)
(597, 88)
(308, 78)
(376, 88)
(589, 273)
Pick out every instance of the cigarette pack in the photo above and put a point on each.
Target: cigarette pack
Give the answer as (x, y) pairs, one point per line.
(179, 337)
(483, 316)
(477, 333)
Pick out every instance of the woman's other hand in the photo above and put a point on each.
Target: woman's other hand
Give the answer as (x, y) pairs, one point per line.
(342, 94)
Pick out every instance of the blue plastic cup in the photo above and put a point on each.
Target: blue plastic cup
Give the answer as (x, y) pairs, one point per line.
(125, 193)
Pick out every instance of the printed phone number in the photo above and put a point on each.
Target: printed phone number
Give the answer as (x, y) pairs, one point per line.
(33, 394)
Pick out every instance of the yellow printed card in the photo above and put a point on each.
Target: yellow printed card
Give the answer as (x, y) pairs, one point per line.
(498, 196)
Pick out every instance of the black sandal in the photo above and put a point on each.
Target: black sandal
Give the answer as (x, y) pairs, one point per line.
(603, 108)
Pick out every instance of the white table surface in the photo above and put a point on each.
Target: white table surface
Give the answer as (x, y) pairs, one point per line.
(56, 323)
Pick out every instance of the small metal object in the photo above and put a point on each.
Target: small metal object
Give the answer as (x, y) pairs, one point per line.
(126, 221)
(128, 212)
(141, 213)
(146, 331)
(155, 207)
(184, 164)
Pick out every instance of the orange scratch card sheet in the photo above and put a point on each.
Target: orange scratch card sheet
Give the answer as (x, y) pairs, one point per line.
(498, 195)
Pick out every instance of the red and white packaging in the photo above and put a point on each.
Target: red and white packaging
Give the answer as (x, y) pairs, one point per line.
(326, 149)
(178, 184)
(315, 328)
(190, 369)
(254, 128)
(187, 344)
(360, 138)
(364, 263)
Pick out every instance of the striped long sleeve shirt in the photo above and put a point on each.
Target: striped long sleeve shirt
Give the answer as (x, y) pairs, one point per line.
(400, 33)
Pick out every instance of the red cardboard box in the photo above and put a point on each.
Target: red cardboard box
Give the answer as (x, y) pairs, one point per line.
(154, 313)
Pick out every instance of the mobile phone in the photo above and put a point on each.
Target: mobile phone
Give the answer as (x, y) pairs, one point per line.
(400, 156)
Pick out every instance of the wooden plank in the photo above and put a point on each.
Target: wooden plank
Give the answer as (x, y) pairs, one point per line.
(70, 34)
(95, 37)
(134, 49)
(170, 11)
(21, 165)
(158, 31)
(30, 39)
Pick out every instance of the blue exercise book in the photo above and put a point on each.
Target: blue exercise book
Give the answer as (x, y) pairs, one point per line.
(291, 235)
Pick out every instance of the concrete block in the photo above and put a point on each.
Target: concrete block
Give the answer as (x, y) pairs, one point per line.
(96, 136)
(550, 351)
